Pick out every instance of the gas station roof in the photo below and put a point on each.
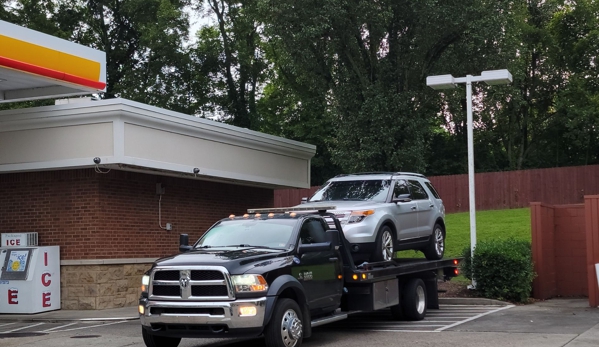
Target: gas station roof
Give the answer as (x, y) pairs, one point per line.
(34, 65)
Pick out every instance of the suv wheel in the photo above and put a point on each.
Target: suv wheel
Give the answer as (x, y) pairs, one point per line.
(384, 247)
(436, 246)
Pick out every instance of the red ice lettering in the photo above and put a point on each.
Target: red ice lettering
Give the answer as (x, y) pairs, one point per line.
(46, 281)
(46, 299)
(13, 242)
(13, 296)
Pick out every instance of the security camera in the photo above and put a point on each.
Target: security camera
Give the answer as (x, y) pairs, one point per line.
(97, 160)
(196, 170)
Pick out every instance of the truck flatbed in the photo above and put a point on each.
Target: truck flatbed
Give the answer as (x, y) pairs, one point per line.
(372, 272)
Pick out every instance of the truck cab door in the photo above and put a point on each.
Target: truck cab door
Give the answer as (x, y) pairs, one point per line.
(318, 271)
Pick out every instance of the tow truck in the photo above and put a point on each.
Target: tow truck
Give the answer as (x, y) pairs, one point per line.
(277, 273)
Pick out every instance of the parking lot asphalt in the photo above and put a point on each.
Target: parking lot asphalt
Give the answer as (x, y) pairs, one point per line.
(464, 323)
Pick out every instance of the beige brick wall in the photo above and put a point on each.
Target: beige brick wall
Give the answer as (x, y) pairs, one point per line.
(97, 287)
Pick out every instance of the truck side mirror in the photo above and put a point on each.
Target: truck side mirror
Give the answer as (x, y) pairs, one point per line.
(184, 243)
(304, 200)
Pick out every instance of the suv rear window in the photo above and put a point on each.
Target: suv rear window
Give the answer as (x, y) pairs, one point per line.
(432, 189)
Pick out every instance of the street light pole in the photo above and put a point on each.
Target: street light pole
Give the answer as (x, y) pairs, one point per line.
(494, 77)
(471, 186)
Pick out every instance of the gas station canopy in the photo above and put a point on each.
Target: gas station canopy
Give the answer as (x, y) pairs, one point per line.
(34, 65)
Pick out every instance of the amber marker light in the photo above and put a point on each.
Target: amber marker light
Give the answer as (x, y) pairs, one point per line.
(270, 215)
(339, 277)
(257, 215)
(247, 311)
(363, 276)
(246, 215)
(231, 216)
(355, 277)
(293, 214)
(141, 309)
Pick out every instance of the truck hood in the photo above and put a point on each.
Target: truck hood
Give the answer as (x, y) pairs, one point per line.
(237, 260)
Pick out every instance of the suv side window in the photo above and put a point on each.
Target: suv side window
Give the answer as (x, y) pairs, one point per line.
(312, 231)
(432, 189)
(401, 187)
(418, 192)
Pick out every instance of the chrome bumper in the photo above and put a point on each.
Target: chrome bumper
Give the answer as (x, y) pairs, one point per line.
(231, 317)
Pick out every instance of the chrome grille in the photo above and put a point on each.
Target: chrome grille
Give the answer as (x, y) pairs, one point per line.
(191, 283)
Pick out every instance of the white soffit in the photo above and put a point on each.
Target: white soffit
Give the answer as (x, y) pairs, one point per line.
(34, 65)
(131, 136)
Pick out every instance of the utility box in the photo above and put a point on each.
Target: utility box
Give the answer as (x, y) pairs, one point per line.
(29, 276)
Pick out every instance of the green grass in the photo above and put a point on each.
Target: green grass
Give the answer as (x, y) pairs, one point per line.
(493, 224)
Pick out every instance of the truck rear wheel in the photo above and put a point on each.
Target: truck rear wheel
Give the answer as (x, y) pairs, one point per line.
(285, 328)
(159, 341)
(413, 296)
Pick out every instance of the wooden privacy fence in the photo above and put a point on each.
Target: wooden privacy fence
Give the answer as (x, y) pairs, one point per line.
(498, 190)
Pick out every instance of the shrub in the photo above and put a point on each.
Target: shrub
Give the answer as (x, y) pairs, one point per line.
(502, 269)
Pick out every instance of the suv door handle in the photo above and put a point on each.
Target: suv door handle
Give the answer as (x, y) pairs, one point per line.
(333, 259)
(431, 205)
(413, 208)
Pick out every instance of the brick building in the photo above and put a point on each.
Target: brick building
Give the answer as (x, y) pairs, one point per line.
(103, 179)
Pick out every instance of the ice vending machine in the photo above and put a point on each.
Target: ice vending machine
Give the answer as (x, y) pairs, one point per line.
(29, 275)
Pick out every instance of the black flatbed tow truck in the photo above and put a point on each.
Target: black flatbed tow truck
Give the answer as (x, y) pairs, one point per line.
(277, 273)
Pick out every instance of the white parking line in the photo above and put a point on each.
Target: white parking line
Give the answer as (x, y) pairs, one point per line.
(21, 328)
(58, 327)
(435, 321)
(91, 326)
(473, 318)
(5, 324)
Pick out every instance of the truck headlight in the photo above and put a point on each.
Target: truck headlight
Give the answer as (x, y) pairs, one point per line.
(358, 216)
(249, 283)
(145, 283)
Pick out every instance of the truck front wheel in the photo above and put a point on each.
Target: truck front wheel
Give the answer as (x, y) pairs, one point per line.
(285, 328)
(159, 341)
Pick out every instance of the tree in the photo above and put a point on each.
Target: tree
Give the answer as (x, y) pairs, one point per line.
(368, 61)
(241, 68)
(143, 40)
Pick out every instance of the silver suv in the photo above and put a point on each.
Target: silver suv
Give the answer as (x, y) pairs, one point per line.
(382, 213)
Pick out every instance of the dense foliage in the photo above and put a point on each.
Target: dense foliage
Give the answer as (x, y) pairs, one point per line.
(502, 269)
(349, 75)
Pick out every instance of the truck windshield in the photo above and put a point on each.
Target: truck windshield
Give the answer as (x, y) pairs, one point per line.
(361, 190)
(270, 233)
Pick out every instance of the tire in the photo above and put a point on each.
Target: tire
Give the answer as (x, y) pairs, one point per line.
(413, 296)
(436, 246)
(159, 341)
(384, 247)
(285, 328)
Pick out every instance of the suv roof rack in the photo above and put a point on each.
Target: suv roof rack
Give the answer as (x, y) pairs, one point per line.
(290, 209)
(381, 173)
